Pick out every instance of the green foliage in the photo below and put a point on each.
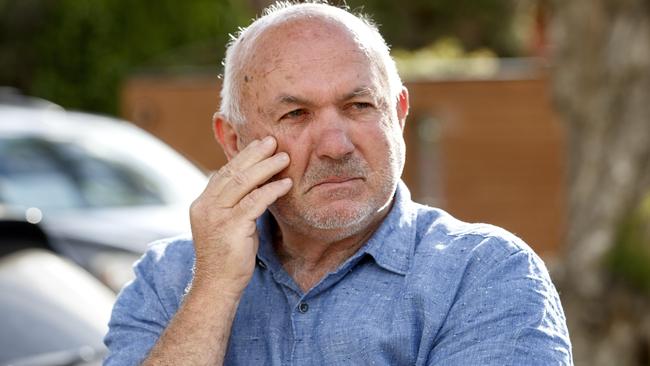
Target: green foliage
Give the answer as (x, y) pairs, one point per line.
(77, 52)
(629, 260)
(416, 23)
(445, 58)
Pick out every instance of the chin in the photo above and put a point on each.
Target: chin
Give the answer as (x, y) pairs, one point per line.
(339, 215)
(333, 213)
(339, 218)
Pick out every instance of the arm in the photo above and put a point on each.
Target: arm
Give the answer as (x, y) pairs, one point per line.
(506, 312)
(225, 242)
(139, 316)
(198, 334)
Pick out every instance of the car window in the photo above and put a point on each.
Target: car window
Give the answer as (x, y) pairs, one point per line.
(62, 174)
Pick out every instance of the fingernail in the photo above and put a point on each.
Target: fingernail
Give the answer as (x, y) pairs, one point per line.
(283, 156)
(268, 141)
(286, 181)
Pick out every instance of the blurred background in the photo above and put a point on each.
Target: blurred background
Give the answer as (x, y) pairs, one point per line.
(530, 114)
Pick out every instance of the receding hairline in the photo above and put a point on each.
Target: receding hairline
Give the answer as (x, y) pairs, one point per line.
(362, 31)
(330, 16)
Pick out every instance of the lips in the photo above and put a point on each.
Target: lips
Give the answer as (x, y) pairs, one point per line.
(334, 180)
(326, 172)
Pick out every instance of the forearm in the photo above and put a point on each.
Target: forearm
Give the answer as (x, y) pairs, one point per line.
(223, 221)
(199, 332)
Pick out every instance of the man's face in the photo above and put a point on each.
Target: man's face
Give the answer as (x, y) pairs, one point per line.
(318, 93)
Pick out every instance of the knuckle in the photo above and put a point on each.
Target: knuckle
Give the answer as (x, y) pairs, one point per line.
(196, 206)
(254, 196)
(225, 171)
(247, 201)
(240, 178)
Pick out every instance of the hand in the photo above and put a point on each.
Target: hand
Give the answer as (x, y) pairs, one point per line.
(223, 216)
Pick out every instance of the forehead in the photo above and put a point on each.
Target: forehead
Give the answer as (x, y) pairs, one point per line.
(310, 52)
(300, 36)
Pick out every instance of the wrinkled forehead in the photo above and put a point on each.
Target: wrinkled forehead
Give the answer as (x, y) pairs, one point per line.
(299, 38)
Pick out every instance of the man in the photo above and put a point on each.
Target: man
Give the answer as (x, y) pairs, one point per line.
(306, 248)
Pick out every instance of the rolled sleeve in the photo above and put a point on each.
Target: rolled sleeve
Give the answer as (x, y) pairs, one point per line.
(138, 318)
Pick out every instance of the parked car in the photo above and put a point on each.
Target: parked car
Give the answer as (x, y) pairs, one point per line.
(100, 188)
(52, 312)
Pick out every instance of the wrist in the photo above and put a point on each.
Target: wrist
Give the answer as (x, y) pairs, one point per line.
(217, 288)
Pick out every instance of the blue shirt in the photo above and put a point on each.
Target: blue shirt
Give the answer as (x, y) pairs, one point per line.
(426, 289)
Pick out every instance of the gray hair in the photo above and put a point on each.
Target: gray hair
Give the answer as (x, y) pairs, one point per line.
(241, 44)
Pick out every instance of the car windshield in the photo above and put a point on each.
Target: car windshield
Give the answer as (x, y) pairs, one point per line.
(106, 166)
(39, 173)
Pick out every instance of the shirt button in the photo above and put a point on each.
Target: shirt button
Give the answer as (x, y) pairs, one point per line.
(261, 264)
(303, 307)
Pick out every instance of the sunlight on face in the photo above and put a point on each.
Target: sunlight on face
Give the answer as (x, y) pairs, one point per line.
(321, 96)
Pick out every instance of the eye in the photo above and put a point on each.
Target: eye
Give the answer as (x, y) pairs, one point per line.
(296, 113)
(361, 105)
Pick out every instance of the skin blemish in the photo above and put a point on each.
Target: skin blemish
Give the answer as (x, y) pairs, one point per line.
(245, 78)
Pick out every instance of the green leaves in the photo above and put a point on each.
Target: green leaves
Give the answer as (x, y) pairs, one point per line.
(77, 53)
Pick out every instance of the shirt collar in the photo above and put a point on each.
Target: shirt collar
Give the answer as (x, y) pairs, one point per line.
(391, 245)
(266, 253)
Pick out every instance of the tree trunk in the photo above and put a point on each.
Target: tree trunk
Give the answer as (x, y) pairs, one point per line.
(601, 76)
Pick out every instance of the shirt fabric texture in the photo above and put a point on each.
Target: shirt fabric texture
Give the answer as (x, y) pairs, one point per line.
(425, 289)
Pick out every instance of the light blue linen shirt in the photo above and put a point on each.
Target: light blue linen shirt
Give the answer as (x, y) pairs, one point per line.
(426, 289)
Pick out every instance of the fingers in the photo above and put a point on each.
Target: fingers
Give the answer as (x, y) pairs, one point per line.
(243, 182)
(235, 172)
(253, 153)
(223, 217)
(256, 202)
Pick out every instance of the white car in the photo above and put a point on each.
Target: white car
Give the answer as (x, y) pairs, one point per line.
(100, 188)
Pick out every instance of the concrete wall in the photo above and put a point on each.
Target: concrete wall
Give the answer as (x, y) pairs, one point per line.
(485, 150)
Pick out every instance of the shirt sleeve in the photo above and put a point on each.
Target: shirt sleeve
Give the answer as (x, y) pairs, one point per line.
(506, 312)
(138, 318)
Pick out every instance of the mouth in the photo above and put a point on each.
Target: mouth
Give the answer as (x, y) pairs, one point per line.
(334, 182)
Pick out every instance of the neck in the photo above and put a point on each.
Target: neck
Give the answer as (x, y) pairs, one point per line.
(310, 256)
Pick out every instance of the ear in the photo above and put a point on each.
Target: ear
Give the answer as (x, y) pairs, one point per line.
(403, 106)
(226, 135)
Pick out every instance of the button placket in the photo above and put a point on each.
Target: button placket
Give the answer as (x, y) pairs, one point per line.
(303, 316)
(303, 307)
(261, 264)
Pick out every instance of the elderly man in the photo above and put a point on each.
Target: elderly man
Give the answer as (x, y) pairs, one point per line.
(306, 248)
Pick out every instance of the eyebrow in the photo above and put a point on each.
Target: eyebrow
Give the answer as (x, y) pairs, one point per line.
(292, 99)
(361, 91)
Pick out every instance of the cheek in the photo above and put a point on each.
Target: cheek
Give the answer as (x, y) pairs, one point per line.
(298, 149)
(381, 143)
(287, 132)
(377, 133)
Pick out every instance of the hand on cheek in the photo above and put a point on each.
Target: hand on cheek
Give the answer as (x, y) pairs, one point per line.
(223, 216)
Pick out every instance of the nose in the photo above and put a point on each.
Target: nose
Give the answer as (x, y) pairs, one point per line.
(332, 139)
